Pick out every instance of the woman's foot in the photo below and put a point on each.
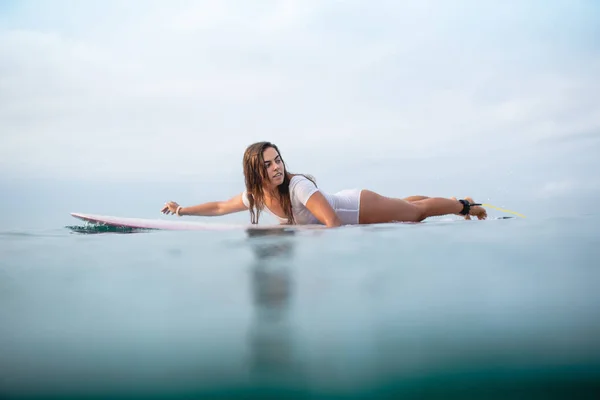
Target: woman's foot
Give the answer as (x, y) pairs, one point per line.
(476, 211)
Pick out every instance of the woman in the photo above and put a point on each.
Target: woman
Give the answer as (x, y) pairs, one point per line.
(295, 199)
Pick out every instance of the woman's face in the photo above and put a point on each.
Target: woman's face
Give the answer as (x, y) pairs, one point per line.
(274, 166)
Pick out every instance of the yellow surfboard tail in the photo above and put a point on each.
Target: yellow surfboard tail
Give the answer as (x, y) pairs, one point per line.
(503, 210)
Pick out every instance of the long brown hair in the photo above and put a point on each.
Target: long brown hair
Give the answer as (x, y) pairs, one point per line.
(255, 174)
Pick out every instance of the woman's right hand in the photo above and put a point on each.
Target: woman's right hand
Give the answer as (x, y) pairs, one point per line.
(170, 208)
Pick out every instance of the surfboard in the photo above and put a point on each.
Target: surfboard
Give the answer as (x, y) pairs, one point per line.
(105, 223)
(128, 223)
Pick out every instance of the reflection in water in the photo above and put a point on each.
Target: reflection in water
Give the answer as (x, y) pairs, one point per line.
(271, 345)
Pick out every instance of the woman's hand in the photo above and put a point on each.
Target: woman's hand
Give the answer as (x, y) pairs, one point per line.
(171, 207)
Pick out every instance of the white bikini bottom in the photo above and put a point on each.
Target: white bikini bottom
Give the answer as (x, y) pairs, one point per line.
(346, 204)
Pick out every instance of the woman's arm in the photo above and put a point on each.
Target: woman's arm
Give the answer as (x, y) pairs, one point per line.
(210, 209)
(318, 205)
(305, 191)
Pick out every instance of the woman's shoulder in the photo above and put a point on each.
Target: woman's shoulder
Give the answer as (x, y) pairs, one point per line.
(301, 188)
(299, 179)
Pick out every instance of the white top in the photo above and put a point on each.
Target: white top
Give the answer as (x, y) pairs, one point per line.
(346, 203)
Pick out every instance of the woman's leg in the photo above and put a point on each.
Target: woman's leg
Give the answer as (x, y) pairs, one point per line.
(411, 199)
(375, 208)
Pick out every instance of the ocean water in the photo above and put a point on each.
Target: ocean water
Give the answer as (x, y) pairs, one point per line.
(503, 308)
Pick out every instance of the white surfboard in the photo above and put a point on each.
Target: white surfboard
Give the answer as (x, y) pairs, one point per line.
(101, 223)
(179, 225)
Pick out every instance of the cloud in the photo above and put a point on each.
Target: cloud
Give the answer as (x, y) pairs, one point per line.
(150, 89)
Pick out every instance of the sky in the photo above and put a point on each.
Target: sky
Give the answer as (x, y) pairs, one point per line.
(436, 91)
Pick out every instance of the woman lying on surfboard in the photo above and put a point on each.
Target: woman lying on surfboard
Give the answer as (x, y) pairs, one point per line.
(295, 199)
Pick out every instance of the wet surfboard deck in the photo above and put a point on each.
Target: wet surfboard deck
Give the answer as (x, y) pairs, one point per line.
(128, 223)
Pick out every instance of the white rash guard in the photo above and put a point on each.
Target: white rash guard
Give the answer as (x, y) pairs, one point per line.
(346, 203)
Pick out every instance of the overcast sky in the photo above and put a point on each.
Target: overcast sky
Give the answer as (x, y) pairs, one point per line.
(177, 89)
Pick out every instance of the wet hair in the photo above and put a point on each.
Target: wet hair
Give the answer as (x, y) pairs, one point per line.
(255, 175)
